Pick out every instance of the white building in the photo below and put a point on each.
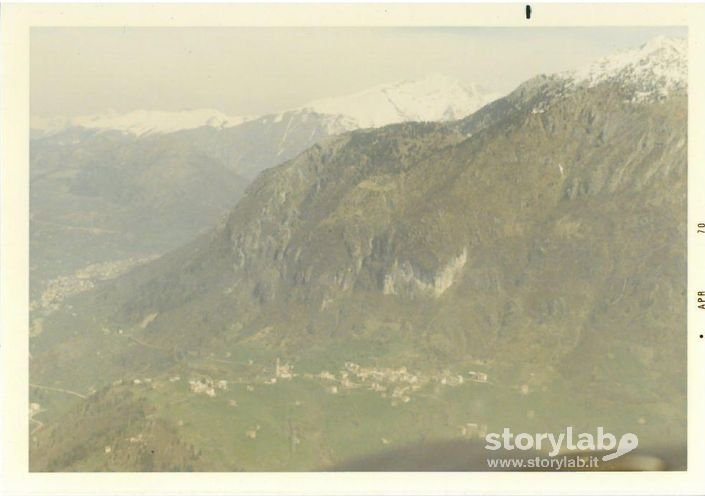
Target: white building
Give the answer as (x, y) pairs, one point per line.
(477, 376)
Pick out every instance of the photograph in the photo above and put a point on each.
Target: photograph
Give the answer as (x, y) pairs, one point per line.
(247, 254)
(334, 249)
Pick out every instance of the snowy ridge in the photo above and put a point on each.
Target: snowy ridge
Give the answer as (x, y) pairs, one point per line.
(655, 69)
(433, 98)
(141, 122)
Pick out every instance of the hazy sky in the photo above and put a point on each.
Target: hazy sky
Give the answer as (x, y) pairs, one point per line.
(260, 70)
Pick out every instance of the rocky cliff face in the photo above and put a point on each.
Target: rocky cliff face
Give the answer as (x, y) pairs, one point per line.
(527, 237)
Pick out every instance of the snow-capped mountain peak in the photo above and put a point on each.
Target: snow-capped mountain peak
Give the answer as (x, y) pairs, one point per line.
(433, 98)
(656, 68)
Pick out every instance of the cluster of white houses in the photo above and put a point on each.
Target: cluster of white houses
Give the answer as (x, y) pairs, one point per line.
(207, 386)
(281, 371)
(60, 288)
(398, 384)
(472, 430)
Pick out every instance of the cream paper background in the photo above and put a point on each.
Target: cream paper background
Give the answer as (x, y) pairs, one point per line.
(17, 20)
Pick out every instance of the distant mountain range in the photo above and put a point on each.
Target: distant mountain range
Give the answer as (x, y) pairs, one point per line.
(137, 122)
(539, 240)
(434, 98)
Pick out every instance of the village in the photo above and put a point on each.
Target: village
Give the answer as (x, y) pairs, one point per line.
(84, 279)
(397, 385)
